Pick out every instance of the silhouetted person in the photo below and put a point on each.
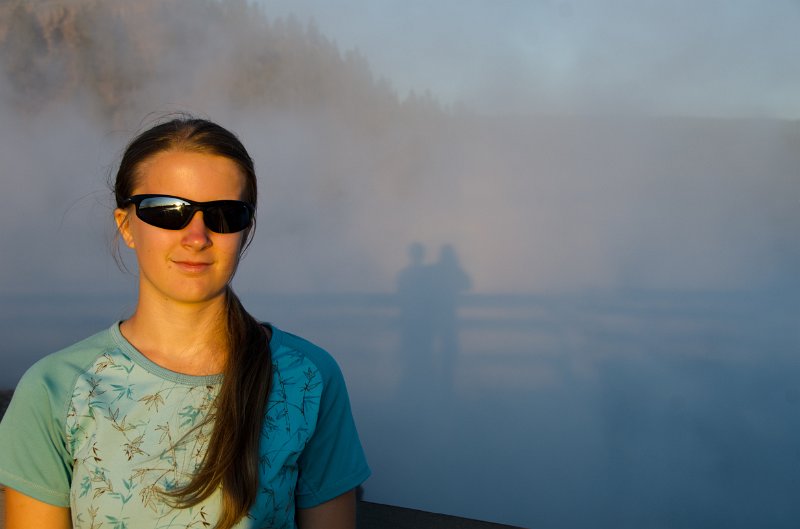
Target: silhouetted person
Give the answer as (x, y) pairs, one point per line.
(416, 321)
(428, 297)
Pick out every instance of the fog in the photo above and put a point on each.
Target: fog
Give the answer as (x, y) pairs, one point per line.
(552, 247)
(715, 57)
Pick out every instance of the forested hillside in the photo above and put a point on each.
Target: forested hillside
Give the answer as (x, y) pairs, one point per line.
(118, 56)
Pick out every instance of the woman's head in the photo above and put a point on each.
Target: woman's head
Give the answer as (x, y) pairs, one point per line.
(192, 186)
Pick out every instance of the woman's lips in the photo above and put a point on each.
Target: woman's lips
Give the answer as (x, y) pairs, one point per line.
(192, 266)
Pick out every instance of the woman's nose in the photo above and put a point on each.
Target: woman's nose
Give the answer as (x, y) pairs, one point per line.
(195, 233)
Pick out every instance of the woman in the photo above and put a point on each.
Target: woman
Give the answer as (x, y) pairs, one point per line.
(190, 413)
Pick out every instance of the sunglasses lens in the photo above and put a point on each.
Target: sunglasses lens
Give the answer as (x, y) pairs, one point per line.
(165, 212)
(227, 216)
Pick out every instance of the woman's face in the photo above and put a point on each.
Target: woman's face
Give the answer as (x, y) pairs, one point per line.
(194, 264)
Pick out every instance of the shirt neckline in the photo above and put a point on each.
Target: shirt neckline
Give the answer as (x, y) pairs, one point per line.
(194, 380)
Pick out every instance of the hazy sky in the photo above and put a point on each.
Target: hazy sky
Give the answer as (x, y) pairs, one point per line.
(629, 341)
(706, 57)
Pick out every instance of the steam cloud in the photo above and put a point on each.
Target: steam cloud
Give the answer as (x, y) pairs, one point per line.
(629, 318)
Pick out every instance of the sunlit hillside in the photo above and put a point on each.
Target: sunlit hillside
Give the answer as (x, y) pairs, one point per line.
(117, 57)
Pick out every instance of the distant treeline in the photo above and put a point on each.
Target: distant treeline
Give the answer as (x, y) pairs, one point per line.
(119, 57)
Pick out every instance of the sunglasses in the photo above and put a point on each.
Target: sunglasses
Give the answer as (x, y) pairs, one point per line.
(175, 213)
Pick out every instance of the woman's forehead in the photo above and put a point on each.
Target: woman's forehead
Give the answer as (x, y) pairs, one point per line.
(193, 175)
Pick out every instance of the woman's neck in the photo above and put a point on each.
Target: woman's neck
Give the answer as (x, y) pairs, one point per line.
(188, 339)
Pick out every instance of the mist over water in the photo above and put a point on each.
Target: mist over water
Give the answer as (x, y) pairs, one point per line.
(551, 320)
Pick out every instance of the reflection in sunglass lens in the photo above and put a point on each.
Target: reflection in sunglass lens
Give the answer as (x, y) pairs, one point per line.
(170, 214)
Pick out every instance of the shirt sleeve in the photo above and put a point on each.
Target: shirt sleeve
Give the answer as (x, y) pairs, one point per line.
(333, 460)
(34, 459)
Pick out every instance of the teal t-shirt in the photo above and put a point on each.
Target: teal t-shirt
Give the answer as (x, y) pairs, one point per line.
(101, 429)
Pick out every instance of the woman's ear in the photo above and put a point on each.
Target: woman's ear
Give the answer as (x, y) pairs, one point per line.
(123, 226)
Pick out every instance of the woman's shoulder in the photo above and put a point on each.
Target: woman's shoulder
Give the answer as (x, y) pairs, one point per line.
(59, 369)
(42, 394)
(290, 348)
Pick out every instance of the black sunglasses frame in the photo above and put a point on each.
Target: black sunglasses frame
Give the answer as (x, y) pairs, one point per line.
(218, 215)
